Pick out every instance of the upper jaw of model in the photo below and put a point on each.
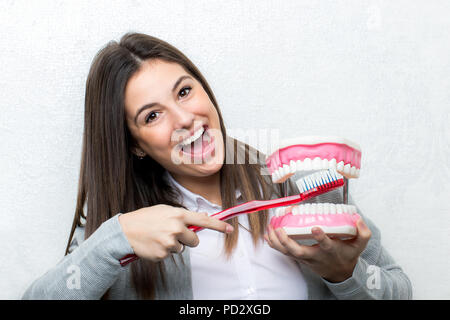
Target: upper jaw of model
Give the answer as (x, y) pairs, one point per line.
(314, 153)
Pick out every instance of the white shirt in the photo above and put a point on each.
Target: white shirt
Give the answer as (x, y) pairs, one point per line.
(251, 273)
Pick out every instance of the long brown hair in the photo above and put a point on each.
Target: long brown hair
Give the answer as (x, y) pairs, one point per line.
(112, 180)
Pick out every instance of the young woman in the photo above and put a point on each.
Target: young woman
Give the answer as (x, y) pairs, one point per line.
(141, 186)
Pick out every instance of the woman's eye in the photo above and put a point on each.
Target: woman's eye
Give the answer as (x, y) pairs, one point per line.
(184, 90)
(151, 117)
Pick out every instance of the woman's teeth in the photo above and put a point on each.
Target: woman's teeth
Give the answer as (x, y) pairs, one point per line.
(197, 134)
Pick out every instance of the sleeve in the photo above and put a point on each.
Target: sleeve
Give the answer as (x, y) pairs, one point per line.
(89, 270)
(376, 274)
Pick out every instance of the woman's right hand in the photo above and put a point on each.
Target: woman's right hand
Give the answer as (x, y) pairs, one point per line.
(155, 232)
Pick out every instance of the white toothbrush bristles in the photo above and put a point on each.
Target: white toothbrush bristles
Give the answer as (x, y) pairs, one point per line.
(317, 179)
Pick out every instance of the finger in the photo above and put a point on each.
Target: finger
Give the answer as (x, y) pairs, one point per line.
(273, 240)
(188, 237)
(204, 221)
(295, 249)
(177, 247)
(363, 234)
(324, 242)
(266, 237)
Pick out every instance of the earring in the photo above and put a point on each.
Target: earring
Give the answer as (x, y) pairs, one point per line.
(140, 155)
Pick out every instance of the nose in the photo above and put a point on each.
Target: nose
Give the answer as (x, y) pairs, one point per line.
(183, 118)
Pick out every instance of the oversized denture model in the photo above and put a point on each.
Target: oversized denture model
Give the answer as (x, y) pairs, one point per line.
(315, 153)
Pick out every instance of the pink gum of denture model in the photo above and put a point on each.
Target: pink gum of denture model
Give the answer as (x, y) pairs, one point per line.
(315, 153)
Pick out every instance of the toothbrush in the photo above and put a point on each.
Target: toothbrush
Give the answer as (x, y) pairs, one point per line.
(310, 186)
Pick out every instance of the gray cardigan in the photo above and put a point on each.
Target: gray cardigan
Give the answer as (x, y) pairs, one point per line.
(95, 263)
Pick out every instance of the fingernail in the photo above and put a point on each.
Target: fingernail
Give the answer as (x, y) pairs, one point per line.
(229, 228)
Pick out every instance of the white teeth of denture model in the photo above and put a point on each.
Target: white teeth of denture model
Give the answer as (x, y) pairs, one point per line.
(314, 153)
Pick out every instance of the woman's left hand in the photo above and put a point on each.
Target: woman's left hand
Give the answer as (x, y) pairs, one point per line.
(332, 259)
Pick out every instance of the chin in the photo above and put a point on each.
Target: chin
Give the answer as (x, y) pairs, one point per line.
(203, 169)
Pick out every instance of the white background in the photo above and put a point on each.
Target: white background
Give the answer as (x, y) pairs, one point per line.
(375, 72)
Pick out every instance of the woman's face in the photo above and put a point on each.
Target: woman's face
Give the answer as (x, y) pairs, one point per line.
(166, 106)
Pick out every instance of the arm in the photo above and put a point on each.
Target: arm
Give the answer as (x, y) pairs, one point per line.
(89, 270)
(152, 233)
(375, 276)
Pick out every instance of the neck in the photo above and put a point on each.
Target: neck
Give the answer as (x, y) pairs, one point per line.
(207, 187)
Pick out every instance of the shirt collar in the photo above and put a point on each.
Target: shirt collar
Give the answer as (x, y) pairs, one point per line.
(192, 200)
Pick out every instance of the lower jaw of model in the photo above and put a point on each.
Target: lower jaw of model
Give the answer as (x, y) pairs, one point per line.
(336, 220)
(315, 153)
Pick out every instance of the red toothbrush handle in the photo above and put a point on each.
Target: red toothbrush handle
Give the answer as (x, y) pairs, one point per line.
(195, 228)
(252, 206)
(127, 259)
(257, 205)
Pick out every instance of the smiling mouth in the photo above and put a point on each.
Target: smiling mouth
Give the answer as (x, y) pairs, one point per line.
(199, 146)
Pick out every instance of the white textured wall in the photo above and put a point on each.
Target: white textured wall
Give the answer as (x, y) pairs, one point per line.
(376, 72)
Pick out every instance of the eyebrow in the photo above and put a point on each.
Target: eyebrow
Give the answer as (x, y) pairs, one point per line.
(149, 105)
